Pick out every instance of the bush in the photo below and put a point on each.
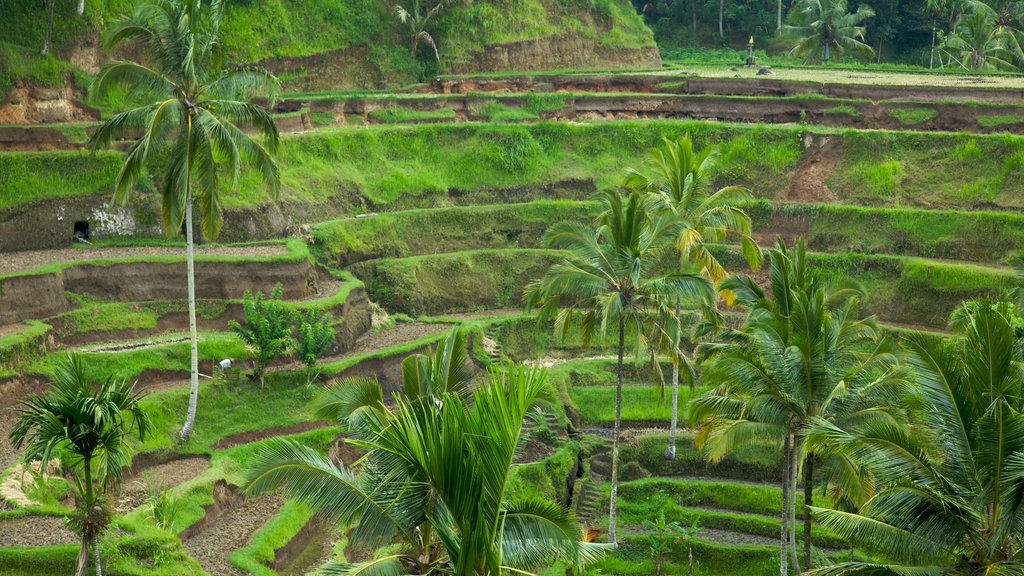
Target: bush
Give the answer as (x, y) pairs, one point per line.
(268, 328)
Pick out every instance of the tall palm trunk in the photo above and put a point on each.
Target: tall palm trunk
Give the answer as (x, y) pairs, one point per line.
(670, 450)
(721, 17)
(931, 61)
(794, 467)
(96, 555)
(808, 499)
(193, 389)
(615, 436)
(49, 26)
(693, 14)
(86, 504)
(827, 54)
(778, 16)
(784, 540)
(81, 7)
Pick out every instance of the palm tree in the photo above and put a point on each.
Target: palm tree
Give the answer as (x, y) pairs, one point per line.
(981, 42)
(680, 181)
(433, 481)
(195, 104)
(801, 356)
(608, 280)
(935, 9)
(951, 496)
(820, 26)
(417, 18)
(87, 424)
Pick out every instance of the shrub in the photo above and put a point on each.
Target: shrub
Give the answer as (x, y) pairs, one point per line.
(268, 328)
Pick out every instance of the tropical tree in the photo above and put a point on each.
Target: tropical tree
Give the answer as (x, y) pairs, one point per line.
(981, 42)
(417, 18)
(436, 467)
(268, 328)
(951, 497)
(315, 335)
(608, 280)
(821, 26)
(193, 118)
(680, 180)
(802, 356)
(936, 9)
(87, 425)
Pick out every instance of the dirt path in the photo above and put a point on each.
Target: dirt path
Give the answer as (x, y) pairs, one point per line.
(231, 531)
(35, 531)
(808, 183)
(31, 259)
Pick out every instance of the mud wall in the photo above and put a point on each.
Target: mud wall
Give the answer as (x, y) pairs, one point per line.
(947, 116)
(30, 297)
(50, 223)
(39, 296)
(759, 86)
(29, 104)
(142, 281)
(557, 52)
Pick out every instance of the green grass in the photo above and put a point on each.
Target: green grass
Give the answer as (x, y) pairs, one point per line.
(418, 232)
(462, 281)
(977, 236)
(899, 289)
(364, 40)
(747, 463)
(930, 173)
(296, 250)
(399, 114)
(843, 109)
(912, 116)
(416, 166)
(360, 168)
(1000, 120)
(19, 64)
(535, 106)
(642, 405)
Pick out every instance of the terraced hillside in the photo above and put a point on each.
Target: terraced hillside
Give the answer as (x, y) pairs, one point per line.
(430, 206)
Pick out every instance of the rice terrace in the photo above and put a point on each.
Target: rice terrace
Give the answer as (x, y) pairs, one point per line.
(511, 287)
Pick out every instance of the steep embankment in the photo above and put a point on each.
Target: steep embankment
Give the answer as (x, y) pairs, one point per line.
(323, 44)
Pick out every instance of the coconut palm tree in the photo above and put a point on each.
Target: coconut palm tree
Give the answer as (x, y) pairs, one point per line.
(433, 482)
(87, 424)
(608, 280)
(193, 119)
(821, 26)
(680, 180)
(981, 42)
(417, 18)
(951, 501)
(802, 355)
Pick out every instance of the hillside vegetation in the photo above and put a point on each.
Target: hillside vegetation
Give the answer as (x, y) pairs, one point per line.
(325, 43)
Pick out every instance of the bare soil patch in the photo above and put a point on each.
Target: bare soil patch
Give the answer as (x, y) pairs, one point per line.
(160, 477)
(230, 530)
(808, 183)
(35, 531)
(31, 259)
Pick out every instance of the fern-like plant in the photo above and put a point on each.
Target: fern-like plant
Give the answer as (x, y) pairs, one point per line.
(314, 337)
(267, 331)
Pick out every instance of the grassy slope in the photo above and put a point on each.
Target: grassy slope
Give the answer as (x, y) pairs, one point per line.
(899, 289)
(253, 31)
(403, 167)
(369, 168)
